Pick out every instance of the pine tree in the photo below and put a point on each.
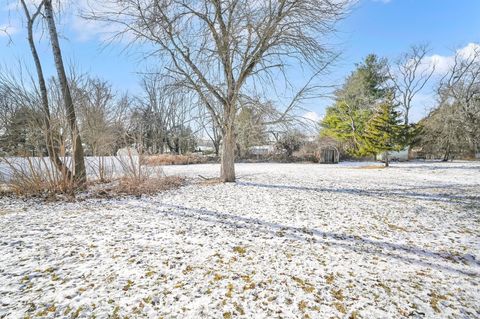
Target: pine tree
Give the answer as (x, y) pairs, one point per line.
(346, 124)
(355, 103)
(383, 132)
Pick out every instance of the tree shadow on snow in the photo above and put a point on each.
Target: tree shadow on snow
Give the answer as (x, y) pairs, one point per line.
(412, 193)
(410, 255)
(432, 166)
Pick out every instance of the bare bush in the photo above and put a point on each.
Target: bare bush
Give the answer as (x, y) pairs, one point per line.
(102, 168)
(35, 176)
(108, 176)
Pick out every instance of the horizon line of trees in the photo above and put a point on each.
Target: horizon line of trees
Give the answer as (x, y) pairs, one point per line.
(219, 61)
(222, 55)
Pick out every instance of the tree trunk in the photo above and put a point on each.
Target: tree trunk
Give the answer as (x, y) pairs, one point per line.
(445, 157)
(474, 148)
(227, 171)
(52, 154)
(216, 146)
(387, 164)
(79, 174)
(447, 154)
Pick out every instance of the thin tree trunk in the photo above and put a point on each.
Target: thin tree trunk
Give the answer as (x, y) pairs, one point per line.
(216, 146)
(474, 148)
(227, 171)
(80, 175)
(52, 154)
(387, 164)
(447, 154)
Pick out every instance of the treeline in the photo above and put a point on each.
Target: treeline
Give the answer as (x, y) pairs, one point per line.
(153, 122)
(219, 63)
(372, 110)
(161, 118)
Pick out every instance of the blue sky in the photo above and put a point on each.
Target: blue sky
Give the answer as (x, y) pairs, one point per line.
(384, 27)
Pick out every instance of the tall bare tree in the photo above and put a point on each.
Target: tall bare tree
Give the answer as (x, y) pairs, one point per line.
(410, 74)
(219, 47)
(79, 173)
(42, 87)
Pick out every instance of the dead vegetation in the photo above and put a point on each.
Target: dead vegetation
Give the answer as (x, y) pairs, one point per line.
(147, 186)
(35, 176)
(122, 176)
(170, 159)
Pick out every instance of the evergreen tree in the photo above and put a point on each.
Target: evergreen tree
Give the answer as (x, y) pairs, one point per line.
(383, 132)
(355, 103)
(346, 124)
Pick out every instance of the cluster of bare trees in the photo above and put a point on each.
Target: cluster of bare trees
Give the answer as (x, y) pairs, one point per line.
(453, 127)
(220, 62)
(164, 118)
(222, 49)
(219, 58)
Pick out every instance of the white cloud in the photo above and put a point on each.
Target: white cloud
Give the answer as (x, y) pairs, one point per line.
(443, 63)
(312, 116)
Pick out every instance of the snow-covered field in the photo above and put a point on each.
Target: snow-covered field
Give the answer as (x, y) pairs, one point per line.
(286, 241)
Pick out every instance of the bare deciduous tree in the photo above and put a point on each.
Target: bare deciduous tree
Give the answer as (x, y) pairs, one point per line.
(461, 86)
(42, 87)
(442, 135)
(410, 75)
(219, 47)
(100, 114)
(79, 174)
(163, 115)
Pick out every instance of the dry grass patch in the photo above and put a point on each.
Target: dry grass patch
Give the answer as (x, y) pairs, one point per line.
(170, 159)
(34, 176)
(435, 299)
(146, 186)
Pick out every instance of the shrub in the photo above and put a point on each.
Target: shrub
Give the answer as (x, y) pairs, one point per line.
(123, 175)
(33, 176)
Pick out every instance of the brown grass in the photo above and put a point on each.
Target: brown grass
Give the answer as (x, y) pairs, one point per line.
(146, 186)
(35, 177)
(435, 299)
(370, 167)
(169, 159)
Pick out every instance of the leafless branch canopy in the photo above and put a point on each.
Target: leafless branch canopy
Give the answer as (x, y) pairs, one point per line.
(410, 74)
